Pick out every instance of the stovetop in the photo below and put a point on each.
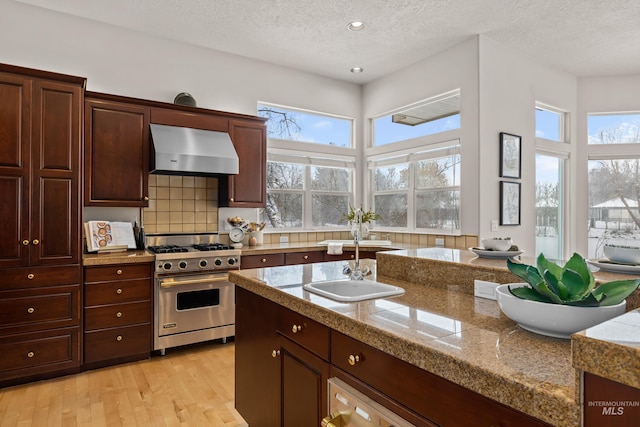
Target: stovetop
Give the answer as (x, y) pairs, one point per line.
(189, 253)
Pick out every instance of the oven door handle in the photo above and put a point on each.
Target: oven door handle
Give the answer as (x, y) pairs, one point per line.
(168, 283)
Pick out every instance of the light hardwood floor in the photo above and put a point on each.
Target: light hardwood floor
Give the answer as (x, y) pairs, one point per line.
(190, 386)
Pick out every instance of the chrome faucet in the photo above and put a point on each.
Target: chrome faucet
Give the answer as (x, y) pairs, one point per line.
(357, 273)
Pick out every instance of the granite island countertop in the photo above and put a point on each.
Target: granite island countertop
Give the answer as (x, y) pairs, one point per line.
(450, 333)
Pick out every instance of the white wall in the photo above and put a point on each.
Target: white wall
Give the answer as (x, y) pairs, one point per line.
(510, 85)
(454, 68)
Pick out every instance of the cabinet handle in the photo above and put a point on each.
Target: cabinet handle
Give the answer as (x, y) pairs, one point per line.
(36, 241)
(353, 257)
(30, 276)
(31, 354)
(118, 291)
(146, 198)
(119, 314)
(118, 272)
(296, 329)
(353, 359)
(275, 353)
(231, 200)
(305, 257)
(25, 242)
(263, 260)
(30, 310)
(119, 338)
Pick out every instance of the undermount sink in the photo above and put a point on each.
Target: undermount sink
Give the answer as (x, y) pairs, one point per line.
(347, 290)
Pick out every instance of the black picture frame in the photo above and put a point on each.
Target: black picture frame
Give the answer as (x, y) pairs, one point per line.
(510, 203)
(510, 157)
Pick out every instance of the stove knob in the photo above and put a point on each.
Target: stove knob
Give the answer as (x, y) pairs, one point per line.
(203, 263)
(182, 265)
(166, 266)
(231, 261)
(218, 262)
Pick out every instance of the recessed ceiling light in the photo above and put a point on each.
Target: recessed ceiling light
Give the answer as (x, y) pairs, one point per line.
(356, 25)
(357, 70)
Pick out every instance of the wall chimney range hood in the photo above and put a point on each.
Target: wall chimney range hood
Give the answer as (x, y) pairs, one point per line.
(195, 152)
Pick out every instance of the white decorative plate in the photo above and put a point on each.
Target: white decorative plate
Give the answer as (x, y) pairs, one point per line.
(616, 268)
(494, 254)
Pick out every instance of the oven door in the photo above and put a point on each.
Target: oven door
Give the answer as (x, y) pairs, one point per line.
(191, 303)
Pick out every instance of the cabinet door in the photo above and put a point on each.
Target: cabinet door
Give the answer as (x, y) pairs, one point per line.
(55, 151)
(116, 154)
(256, 362)
(303, 379)
(15, 137)
(248, 188)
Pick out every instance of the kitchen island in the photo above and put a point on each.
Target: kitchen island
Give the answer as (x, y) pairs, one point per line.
(438, 327)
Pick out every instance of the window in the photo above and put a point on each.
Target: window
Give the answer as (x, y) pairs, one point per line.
(310, 169)
(614, 177)
(623, 128)
(549, 196)
(421, 192)
(549, 123)
(438, 114)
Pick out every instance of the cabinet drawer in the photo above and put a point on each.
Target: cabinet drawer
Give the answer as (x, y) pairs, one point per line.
(32, 277)
(39, 352)
(306, 332)
(349, 255)
(114, 315)
(40, 308)
(303, 257)
(117, 272)
(114, 343)
(117, 292)
(170, 117)
(258, 261)
(427, 394)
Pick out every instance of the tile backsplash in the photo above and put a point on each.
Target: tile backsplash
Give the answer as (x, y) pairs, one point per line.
(181, 204)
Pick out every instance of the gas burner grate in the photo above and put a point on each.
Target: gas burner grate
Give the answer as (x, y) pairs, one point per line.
(167, 249)
(211, 247)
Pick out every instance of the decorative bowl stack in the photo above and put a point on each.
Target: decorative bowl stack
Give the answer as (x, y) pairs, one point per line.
(622, 254)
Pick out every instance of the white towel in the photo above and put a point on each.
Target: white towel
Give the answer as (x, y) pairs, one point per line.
(334, 248)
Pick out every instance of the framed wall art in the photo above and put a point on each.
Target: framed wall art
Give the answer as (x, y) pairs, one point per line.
(509, 203)
(510, 159)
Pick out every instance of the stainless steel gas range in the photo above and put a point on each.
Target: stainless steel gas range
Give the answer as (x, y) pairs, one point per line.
(194, 300)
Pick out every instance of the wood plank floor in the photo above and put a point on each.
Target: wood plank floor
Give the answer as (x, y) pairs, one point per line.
(190, 386)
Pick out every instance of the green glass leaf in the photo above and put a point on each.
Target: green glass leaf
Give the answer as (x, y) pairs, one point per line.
(577, 288)
(556, 286)
(518, 269)
(543, 289)
(527, 293)
(589, 301)
(545, 265)
(579, 265)
(612, 293)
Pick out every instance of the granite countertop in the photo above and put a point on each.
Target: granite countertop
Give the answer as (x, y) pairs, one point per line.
(127, 257)
(445, 331)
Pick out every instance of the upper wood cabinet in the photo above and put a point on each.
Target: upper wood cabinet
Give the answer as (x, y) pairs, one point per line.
(116, 153)
(248, 189)
(40, 131)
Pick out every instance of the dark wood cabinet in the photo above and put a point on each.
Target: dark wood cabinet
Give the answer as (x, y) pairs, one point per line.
(292, 258)
(40, 245)
(247, 189)
(608, 403)
(265, 260)
(350, 255)
(117, 313)
(279, 380)
(116, 152)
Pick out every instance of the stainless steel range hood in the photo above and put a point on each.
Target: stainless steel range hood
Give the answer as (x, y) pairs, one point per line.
(185, 151)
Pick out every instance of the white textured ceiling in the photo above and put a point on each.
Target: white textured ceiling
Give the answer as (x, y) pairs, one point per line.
(583, 37)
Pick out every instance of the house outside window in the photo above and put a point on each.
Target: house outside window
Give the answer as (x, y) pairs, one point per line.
(310, 168)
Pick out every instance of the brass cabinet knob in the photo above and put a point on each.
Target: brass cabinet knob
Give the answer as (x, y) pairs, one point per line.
(119, 314)
(353, 359)
(275, 353)
(231, 200)
(146, 198)
(119, 291)
(30, 276)
(306, 257)
(31, 354)
(263, 260)
(119, 272)
(353, 257)
(296, 328)
(36, 241)
(30, 310)
(119, 338)
(25, 242)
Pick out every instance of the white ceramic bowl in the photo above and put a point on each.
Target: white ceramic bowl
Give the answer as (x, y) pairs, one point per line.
(496, 244)
(619, 254)
(554, 320)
